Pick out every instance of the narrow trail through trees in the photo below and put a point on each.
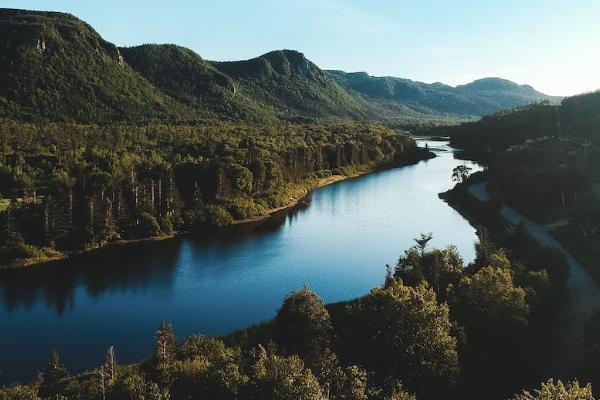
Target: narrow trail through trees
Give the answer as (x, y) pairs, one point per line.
(583, 294)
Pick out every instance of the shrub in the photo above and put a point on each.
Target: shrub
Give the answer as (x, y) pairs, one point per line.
(148, 226)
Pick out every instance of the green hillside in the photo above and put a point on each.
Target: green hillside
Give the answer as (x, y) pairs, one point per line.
(577, 117)
(55, 66)
(185, 76)
(482, 97)
(287, 81)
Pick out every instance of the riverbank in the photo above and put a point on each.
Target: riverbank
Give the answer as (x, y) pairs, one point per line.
(313, 184)
(299, 193)
(582, 295)
(296, 200)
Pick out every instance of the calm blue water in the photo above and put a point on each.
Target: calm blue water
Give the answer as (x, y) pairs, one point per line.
(339, 246)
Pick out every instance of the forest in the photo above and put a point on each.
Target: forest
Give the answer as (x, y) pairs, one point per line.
(576, 118)
(435, 327)
(56, 67)
(543, 160)
(101, 144)
(70, 187)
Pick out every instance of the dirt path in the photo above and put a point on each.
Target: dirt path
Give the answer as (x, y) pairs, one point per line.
(583, 295)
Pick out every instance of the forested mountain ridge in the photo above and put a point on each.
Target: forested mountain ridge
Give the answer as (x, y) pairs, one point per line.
(577, 116)
(280, 84)
(56, 67)
(289, 82)
(186, 77)
(478, 98)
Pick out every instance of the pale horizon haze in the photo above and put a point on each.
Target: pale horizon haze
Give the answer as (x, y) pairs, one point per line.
(551, 45)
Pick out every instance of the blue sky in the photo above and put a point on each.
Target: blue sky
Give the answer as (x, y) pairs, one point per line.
(550, 44)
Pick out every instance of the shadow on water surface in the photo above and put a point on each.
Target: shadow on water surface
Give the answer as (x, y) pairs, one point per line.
(214, 283)
(123, 268)
(118, 268)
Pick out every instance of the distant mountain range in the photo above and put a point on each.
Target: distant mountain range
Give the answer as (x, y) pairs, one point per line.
(54, 66)
(482, 97)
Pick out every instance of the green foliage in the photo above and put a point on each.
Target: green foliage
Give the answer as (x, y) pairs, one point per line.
(576, 117)
(397, 340)
(81, 186)
(206, 368)
(541, 175)
(482, 97)
(461, 173)
(558, 391)
(12, 245)
(490, 305)
(217, 216)
(135, 387)
(149, 227)
(439, 268)
(403, 333)
(506, 128)
(282, 378)
(19, 392)
(55, 66)
(166, 345)
(303, 325)
(400, 395)
(186, 77)
(54, 378)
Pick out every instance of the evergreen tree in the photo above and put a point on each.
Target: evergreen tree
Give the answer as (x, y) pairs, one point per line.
(54, 378)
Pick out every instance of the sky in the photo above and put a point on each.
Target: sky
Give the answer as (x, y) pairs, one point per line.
(549, 44)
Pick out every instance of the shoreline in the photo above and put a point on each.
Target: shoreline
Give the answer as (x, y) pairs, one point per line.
(322, 182)
(332, 179)
(53, 256)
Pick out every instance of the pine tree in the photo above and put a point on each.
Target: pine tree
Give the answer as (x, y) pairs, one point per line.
(54, 378)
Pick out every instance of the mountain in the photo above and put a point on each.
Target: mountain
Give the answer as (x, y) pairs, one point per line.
(287, 81)
(56, 67)
(185, 76)
(482, 97)
(277, 84)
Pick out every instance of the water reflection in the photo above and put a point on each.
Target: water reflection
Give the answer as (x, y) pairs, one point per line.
(215, 283)
(117, 269)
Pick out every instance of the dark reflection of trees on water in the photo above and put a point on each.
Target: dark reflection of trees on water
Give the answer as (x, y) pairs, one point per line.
(140, 265)
(115, 268)
(122, 268)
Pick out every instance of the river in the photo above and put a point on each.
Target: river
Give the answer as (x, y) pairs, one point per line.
(338, 245)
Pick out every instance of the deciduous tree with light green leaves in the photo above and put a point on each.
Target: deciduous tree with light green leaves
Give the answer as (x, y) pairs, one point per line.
(551, 390)
(488, 303)
(282, 378)
(303, 325)
(405, 335)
